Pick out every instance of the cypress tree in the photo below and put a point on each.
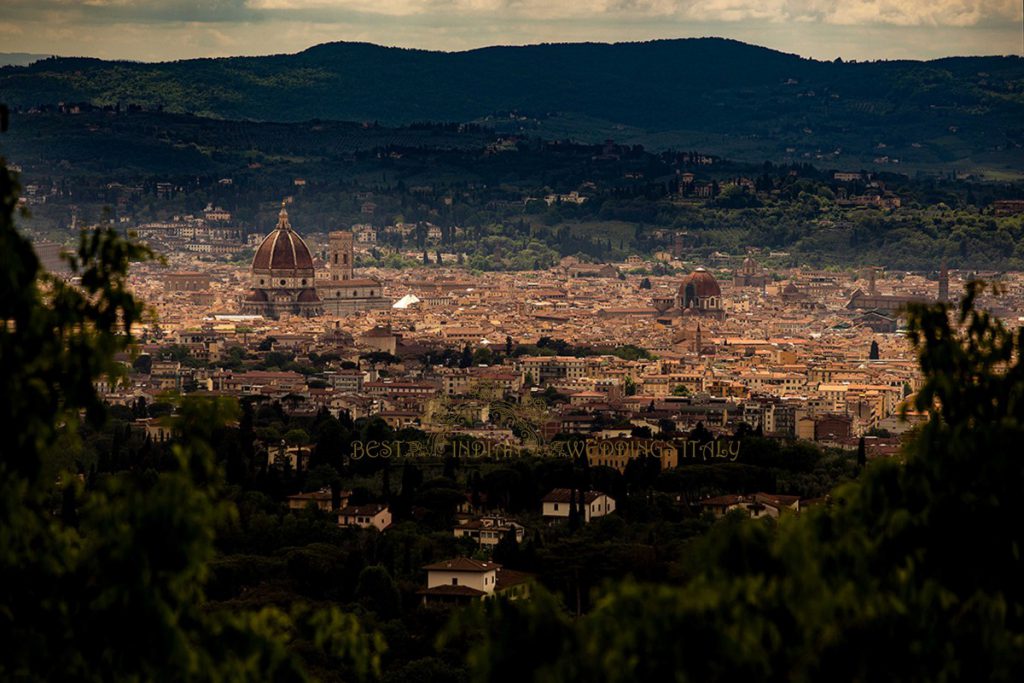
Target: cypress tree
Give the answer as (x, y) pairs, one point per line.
(574, 515)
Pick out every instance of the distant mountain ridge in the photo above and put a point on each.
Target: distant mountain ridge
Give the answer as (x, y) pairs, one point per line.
(19, 58)
(772, 103)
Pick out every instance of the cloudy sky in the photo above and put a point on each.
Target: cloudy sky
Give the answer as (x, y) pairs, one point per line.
(174, 29)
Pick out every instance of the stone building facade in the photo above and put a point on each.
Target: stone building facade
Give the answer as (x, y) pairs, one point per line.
(341, 292)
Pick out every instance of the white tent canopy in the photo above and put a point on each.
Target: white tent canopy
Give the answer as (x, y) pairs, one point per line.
(406, 301)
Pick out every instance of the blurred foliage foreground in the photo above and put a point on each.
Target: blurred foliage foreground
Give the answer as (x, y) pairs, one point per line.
(913, 573)
(109, 585)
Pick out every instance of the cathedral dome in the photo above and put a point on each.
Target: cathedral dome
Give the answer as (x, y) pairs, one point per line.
(701, 284)
(283, 252)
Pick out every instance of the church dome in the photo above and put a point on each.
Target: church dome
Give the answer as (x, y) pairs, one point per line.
(703, 285)
(283, 251)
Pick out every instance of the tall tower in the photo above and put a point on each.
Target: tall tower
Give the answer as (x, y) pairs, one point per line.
(678, 244)
(872, 287)
(340, 255)
(944, 283)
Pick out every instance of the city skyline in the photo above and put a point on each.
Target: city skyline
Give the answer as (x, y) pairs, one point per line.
(659, 340)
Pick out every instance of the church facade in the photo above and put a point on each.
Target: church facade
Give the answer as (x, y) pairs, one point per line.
(750, 275)
(699, 295)
(282, 275)
(285, 281)
(339, 290)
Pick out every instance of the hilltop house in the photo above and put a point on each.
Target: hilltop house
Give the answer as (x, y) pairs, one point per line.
(324, 499)
(556, 504)
(757, 505)
(487, 531)
(463, 579)
(373, 516)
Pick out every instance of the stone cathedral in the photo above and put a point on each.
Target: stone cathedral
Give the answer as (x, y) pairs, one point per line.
(285, 281)
(339, 290)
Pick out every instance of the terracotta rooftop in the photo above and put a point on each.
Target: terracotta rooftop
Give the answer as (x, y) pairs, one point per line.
(455, 591)
(563, 496)
(463, 564)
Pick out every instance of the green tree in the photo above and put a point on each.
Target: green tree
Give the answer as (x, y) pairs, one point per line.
(297, 437)
(574, 512)
(378, 591)
(506, 551)
(114, 581)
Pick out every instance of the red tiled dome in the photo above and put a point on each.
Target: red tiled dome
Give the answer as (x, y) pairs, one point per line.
(703, 282)
(284, 250)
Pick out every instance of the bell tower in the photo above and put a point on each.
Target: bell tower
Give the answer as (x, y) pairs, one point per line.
(340, 255)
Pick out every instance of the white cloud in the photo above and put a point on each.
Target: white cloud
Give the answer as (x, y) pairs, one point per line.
(959, 13)
(918, 13)
(160, 29)
(845, 12)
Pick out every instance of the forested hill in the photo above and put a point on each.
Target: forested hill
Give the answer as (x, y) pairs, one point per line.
(745, 101)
